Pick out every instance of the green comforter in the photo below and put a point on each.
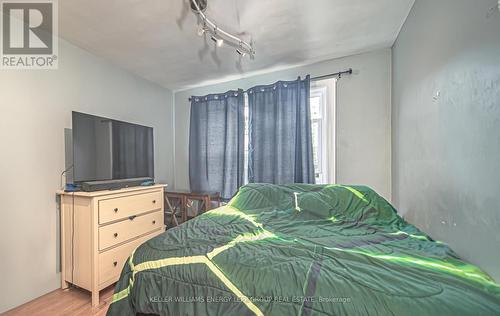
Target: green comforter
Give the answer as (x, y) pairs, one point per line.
(301, 250)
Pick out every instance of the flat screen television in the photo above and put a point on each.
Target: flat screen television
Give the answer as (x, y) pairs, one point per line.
(107, 149)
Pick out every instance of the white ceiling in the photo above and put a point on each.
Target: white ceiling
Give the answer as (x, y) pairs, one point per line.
(157, 39)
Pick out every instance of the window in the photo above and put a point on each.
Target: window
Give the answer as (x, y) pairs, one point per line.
(318, 124)
(322, 103)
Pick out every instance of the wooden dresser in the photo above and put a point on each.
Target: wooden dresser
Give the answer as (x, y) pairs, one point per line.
(99, 230)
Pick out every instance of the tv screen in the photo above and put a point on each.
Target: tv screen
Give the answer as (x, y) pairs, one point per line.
(107, 149)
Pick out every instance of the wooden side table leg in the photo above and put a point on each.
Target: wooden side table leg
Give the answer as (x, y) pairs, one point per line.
(173, 210)
(174, 217)
(200, 206)
(184, 209)
(208, 203)
(168, 207)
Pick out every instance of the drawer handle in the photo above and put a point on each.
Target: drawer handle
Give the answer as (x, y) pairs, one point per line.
(154, 201)
(116, 210)
(154, 222)
(132, 217)
(116, 235)
(115, 263)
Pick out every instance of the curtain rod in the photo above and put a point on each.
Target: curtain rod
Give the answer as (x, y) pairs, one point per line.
(336, 74)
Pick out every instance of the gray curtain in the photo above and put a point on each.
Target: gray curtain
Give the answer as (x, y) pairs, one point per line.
(216, 143)
(280, 133)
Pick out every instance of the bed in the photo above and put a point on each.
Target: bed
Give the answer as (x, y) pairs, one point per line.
(301, 250)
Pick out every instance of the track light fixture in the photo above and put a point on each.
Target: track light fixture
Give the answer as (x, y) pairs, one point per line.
(219, 36)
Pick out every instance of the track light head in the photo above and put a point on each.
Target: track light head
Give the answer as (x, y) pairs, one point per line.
(241, 52)
(201, 30)
(218, 41)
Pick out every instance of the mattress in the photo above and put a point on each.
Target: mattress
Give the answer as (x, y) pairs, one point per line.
(301, 250)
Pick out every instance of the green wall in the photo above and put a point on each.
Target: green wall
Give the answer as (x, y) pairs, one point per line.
(446, 125)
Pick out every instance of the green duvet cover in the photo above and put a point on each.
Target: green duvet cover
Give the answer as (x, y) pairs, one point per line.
(301, 250)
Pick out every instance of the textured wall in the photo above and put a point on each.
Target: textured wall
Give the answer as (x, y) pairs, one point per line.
(446, 125)
(35, 109)
(363, 116)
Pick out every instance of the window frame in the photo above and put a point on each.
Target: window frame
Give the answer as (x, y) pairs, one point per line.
(321, 91)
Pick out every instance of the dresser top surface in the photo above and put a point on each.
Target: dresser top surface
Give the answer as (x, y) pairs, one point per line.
(110, 192)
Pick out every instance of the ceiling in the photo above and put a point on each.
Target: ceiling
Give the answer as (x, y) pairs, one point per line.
(158, 40)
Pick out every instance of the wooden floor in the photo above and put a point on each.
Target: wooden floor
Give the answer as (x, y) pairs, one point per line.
(73, 301)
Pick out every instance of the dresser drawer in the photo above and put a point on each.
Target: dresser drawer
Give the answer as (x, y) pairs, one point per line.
(111, 262)
(126, 229)
(119, 208)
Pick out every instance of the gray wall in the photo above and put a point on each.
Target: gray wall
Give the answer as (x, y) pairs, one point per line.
(446, 125)
(35, 108)
(363, 109)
